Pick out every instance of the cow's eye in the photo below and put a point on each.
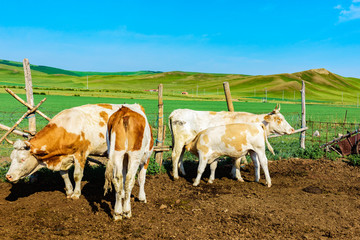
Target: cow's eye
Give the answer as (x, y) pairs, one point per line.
(22, 160)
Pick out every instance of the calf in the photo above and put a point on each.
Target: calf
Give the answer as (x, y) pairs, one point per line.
(233, 140)
(130, 144)
(66, 140)
(185, 124)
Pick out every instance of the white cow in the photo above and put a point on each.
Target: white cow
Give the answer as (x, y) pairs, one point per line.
(130, 144)
(233, 140)
(66, 140)
(185, 124)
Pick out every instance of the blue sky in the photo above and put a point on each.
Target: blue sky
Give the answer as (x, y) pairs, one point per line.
(227, 36)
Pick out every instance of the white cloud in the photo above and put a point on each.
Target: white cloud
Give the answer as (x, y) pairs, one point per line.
(349, 14)
(339, 6)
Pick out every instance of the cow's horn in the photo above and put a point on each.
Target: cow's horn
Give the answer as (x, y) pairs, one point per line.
(27, 144)
(279, 107)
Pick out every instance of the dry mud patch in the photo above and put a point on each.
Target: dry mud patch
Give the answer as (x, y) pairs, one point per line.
(308, 200)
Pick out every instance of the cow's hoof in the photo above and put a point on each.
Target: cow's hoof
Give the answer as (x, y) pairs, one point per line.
(211, 181)
(240, 179)
(195, 184)
(75, 196)
(269, 184)
(142, 200)
(117, 217)
(127, 214)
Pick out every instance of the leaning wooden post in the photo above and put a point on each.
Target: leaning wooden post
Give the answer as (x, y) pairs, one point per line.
(26, 104)
(29, 95)
(160, 133)
(30, 111)
(303, 116)
(228, 97)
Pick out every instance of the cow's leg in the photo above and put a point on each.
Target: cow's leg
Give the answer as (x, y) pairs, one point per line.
(141, 180)
(129, 183)
(213, 166)
(181, 163)
(235, 171)
(202, 165)
(118, 159)
(78, 174)
(254, 157)
(68, 186)
(177, 152)
(264, 164)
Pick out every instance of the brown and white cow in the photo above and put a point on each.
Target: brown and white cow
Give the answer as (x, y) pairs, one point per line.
(66, 140)
(130, 144)
(233, 140)
(185, 124)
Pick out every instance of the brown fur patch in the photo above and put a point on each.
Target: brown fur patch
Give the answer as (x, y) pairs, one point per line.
(101, 135)
(206, 139)
(196, 144)
(278, 120)
(213, 113)
(101, 124)
(59, 144)
(104, 115)
(147, 163)
(203, 147)
(267, 118)
(235, 135)
(129, 127)
(105, 105)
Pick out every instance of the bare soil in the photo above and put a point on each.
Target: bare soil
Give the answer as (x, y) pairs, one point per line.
(308, 200)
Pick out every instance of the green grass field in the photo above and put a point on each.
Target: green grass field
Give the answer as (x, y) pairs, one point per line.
(11, 110)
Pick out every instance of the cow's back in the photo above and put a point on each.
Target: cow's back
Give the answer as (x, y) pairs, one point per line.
(75, 127)
(130, 128)
(190, 122)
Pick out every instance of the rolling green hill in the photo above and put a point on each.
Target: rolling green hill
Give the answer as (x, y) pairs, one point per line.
(321, 85)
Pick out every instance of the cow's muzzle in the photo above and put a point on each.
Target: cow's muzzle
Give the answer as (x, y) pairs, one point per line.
(10, 178)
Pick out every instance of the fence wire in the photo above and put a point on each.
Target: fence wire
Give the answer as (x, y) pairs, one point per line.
(283, 146)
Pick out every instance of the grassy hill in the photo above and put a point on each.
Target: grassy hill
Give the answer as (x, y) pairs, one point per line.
(321, 85)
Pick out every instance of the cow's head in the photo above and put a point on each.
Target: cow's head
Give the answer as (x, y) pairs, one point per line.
(23, 163)
(277, 123)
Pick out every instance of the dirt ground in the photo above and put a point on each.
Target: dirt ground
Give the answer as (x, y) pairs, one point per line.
(308, 200)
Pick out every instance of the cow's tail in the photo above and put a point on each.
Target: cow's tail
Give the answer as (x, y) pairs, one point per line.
(266, 140)
(171, 130)
(109, 172)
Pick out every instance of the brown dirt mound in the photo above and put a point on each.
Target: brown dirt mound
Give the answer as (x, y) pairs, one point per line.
(308, 200)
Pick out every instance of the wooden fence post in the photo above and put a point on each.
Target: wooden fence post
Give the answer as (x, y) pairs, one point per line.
(160, 134)
(303, 116)
(29, 95)
(228, 97)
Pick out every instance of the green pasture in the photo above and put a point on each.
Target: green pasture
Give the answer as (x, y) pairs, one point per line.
(11, 110)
